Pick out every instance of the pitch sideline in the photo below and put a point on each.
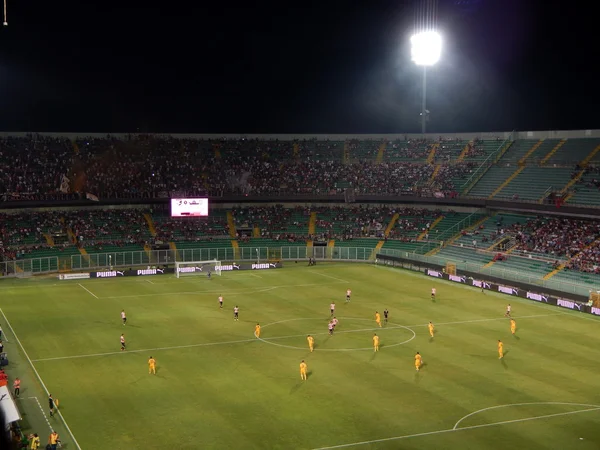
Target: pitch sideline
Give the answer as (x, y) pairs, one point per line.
(39, 377)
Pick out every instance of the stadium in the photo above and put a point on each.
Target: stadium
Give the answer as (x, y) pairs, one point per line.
(486, 220)
(287, 235)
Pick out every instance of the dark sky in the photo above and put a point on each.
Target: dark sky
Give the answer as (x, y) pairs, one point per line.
(326, 66)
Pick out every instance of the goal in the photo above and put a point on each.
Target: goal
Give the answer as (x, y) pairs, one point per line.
(183, 269)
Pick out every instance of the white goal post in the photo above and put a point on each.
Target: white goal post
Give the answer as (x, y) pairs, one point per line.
(183, 269)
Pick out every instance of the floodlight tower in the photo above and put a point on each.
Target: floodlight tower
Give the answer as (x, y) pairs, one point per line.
(426, 49)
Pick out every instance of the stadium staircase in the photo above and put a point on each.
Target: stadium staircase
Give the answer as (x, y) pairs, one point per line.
(459, 234)
(150, 223)
(553, 151)
(84, 253)
(431, 227)
(236, 248)
(531, 151)
(436, 170)
(464, 152)
(173, 247)
(312, 225)
(506, 182)
(75, 147)
(296, 150)
(431, 156)
(381, 152)
(49, 239)
(231, 225)
(507, 252)
(233, 235)
(152, 230)
(330, 247)
(589, 157)
(386, 233)
(563, 265)
(570, 184)
(217, 150)
(346, 153)
(256, 231)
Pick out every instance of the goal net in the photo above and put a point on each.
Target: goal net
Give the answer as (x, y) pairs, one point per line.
(202, 268)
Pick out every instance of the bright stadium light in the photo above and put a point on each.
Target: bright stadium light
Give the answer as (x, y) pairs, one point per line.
(426, 50)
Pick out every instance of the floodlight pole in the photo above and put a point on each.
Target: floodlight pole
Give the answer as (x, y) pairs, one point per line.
(424, 104)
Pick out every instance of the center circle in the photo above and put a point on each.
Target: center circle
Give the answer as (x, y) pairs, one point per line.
(391, 325)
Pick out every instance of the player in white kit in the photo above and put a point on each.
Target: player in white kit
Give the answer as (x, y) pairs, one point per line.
(433, 291)
(348, 294)
(332, 308)
(123, 317)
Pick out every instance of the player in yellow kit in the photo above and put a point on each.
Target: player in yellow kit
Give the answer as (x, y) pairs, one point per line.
(311, 343)
(152, 366)
(431, 328)
(378, 318)
(303, 369)
(500, 349)
(418, 361)
(513, 326)
(257, 330)
(375, 343)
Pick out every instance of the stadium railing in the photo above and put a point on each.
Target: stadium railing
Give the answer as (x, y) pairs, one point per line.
(115, 260)
(485, 165)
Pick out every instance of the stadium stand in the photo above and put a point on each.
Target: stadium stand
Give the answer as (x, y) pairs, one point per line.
(573, 151)
(587, 190)
(546, 179)
(147, 166)
(492, 181)
(140, 166)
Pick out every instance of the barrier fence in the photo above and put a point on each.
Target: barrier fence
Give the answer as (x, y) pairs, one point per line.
(95, 261)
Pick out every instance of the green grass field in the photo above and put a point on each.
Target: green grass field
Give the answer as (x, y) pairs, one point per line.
(218, 387)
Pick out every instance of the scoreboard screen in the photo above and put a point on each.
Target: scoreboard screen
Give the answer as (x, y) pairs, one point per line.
(189, 207)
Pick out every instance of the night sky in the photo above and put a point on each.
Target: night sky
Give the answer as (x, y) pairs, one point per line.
(294, 67)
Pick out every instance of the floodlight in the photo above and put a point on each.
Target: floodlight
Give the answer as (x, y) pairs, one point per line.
(426, 48)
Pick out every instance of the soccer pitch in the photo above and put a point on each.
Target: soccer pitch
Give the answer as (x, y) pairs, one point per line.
(219, 387)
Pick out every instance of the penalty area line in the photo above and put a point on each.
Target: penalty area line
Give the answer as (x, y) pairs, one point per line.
(87, 290)
(453, 430)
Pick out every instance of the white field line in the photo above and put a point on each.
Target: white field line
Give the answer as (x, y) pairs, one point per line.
(221, 291)
(452, 430)
(148, 281)
(39, 377)
(329, 276)
(87, 290)
(242, 341)
(565, 312)
(254, 275)
(521, 404)
(41, 409)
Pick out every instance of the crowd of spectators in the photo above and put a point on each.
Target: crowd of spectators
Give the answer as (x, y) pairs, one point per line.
(118, 227)
(148, 166)
(451, 177)
(557, 237)
(413, 221)
(33, 165)
(189, 229)
(408, 149)
(588, 260)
